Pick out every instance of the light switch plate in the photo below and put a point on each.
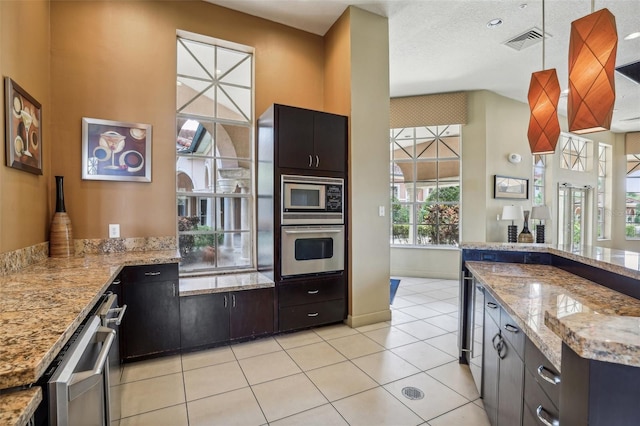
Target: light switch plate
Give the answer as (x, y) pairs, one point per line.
(114, 230)
(380, 211)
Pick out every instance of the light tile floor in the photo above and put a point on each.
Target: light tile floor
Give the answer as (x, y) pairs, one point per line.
(332, 375)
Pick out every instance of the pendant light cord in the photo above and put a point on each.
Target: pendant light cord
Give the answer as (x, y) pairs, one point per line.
(544, 35)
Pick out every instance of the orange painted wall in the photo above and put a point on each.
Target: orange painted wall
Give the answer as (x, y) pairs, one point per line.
(116, 61)
(24, 56)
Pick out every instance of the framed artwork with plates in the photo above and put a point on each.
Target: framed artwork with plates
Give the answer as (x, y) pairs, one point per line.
(115, 150)
(23, 129)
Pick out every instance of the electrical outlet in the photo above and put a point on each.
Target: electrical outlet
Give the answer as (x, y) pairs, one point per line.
(380, 211)
(114, 230)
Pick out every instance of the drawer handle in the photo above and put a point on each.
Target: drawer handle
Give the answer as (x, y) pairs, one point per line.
(151, 274)
(115, 282)
(545, 417)
(492, 305)
(313, 291)
(493, 341)
(548, 375)
(312, 314)
(511, 329)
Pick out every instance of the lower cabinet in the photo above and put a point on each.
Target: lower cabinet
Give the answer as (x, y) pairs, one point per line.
(503, 368)
(151, 324)
(310, 302)
(208, 319)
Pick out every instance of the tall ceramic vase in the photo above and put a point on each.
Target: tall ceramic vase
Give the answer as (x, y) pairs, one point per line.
(60, 236)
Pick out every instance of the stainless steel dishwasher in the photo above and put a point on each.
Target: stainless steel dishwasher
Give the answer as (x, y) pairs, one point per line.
(77, 387)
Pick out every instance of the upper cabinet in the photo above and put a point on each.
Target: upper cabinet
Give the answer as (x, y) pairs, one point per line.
(310, 140)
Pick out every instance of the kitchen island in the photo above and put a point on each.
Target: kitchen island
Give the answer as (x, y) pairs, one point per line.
(579, 309)
(41, 306)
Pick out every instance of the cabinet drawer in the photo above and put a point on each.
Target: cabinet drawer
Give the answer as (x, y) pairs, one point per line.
(491, 307)
(535, 361)
(512, 332)
(145, 273)
(302, 316)
(536, 400)
(312, 291)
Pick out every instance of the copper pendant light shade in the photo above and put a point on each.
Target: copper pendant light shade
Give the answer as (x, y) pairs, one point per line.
(544, 127)
(592, 56)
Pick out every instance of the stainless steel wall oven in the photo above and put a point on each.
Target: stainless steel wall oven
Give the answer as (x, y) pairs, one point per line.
(312, 249)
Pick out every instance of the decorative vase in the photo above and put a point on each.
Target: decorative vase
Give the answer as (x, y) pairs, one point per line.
(60, 235)
(525, 236)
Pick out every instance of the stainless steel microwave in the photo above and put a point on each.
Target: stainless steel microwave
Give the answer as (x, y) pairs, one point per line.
(312, 200)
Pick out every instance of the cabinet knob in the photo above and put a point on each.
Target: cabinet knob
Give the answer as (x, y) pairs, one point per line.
(511, 328)
(492, 305)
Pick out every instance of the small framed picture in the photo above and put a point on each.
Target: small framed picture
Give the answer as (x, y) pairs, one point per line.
(510, 187)
(23, 129)
(114, 150)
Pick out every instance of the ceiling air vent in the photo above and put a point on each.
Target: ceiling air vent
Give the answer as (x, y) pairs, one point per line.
(526, 39)
(631, 71)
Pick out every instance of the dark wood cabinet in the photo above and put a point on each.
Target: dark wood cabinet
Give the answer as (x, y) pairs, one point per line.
(251, 313)
(209, 319)
(311, 301)
(503, 367)
(151, 325)
(204, 320)
(310, 140)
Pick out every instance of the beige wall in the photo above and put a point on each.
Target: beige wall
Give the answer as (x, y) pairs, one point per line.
(116, 61)
(369, 169)
(24, 56)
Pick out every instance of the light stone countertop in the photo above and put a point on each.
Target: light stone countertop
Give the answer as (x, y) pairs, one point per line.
(43, 304)
(190, 286)
(621, 262)
(18, 407)
(535, 295)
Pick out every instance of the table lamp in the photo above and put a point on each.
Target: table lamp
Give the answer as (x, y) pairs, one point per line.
(541, 213)
(512, 213)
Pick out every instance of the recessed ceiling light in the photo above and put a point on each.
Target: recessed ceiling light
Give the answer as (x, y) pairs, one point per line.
(494, 23)
(523, 6)
(632, 36)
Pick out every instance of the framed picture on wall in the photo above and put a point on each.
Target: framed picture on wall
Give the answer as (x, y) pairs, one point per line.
(23, 129)
(114, 150)
(510, 187)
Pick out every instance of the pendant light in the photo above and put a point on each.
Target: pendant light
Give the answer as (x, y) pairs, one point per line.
(544, 94)
(592, 59)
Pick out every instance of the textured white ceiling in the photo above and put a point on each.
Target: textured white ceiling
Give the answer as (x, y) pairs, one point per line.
(438, 46)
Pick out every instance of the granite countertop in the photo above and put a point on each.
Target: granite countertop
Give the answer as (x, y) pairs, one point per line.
(621, 262)
(43, 304)
(190, 286)
(18, 407)
(542, 296)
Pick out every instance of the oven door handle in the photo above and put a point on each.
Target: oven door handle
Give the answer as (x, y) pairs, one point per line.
(82, 381)
(312, 231)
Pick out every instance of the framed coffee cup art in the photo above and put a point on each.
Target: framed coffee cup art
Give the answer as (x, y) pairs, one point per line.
(23, 129)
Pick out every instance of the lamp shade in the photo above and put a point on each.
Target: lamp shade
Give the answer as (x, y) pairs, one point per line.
(540, 213)
(544, 127)
(512, 213)
(592, 58)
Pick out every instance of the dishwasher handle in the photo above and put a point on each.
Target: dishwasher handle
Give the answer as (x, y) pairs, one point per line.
(120, 312)
(82, 381)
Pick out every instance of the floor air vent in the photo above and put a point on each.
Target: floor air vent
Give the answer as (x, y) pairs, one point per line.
(526, 39)
(412, 393)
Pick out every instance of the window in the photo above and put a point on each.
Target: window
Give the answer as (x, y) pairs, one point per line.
(214, 155)
(632, 199)
(574, 153)
(425, 185)
(604, 189)
(539, 165)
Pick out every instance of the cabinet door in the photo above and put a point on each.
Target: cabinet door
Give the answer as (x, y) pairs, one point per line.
(152, 322)
(510, 387)
(251, 313)
(490, 369)
(329, 142)
(204, 320)
(294, 130)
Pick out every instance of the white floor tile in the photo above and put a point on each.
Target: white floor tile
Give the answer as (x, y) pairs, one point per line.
(335, 331)
(390, 337)
(256, 347)
(151, 368)
(458, 377)
(375, 407)
(420, 311)
(237, 407)
(325, 415)
(315, 356)
(263, 368)
(423, 356)
(290, 395)
(212, 380)
(444, 321)
(355, 346)
(300, 338)
(399, 317)
(438, 399)
(447, 343)
(385, 367)
(341, 380)
(151, 394)
(467, 415)
(170, 416)
(421, 330)
(207, 357)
